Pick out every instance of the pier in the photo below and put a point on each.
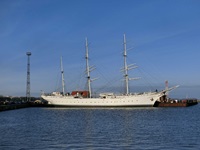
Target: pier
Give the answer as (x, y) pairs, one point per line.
(13, 106)
(11, 103)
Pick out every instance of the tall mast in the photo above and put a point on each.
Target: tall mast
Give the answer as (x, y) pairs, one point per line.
(87, 68)
(126, 68)
(62, 74)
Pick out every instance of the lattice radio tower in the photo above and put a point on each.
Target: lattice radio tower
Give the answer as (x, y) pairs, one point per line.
(28, 95)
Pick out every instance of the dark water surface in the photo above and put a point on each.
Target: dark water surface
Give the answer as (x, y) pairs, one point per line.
(110, 128)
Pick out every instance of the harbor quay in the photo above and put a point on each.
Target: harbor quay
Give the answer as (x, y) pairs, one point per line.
(11, 103)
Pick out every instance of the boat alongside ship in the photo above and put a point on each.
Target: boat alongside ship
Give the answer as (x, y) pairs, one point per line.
(176, 103)
(85, 99)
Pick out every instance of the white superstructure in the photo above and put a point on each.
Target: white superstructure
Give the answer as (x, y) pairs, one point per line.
(105, 99)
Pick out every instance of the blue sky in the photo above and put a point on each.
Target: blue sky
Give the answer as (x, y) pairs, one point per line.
(163, 37)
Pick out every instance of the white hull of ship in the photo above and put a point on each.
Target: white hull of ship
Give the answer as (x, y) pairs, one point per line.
(114, 101)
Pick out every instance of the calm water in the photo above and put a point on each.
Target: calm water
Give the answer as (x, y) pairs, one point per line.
(121, 128)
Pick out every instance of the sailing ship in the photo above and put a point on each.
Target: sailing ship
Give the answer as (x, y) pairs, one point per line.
(85, 99)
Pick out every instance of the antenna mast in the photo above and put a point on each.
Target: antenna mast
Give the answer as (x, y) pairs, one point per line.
(28, 95)
(62, 74)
